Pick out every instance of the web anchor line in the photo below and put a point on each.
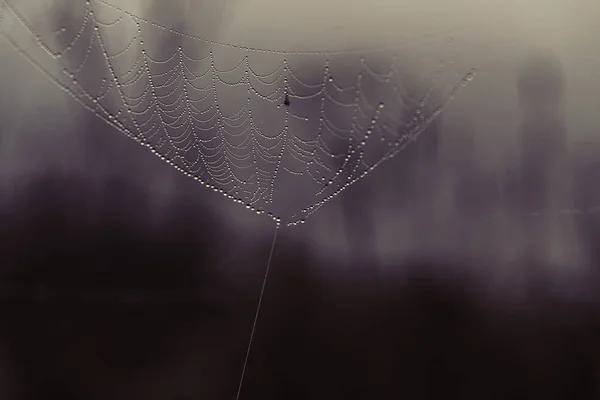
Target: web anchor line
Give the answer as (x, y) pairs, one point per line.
(257, 313)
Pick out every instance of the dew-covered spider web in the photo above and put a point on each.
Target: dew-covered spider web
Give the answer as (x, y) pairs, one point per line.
(248, 123)
(282, 132)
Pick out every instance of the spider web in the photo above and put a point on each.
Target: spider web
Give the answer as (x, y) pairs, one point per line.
(239, 120)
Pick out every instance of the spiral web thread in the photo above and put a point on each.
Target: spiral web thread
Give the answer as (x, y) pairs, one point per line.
(240, 128)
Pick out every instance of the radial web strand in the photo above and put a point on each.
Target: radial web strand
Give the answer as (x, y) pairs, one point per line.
(248, 123)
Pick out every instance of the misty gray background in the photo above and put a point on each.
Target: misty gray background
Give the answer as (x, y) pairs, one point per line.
(40, 124)
(536, 91)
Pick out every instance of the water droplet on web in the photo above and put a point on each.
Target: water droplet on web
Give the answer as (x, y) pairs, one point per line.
(263, 177)
(470, 75)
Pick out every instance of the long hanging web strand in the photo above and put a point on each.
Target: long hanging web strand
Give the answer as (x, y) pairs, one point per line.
(260, 297)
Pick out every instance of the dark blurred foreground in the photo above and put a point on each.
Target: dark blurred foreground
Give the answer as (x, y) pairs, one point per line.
(99, 306)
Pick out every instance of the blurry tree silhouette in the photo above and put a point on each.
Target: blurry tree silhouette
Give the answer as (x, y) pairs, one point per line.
(477, 190)
(409, 178)
(543, 144)
(585, 165)
(413, 175)
(464, 162)
(541, 87)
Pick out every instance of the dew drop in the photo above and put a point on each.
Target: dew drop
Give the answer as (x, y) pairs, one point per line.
(470, 75)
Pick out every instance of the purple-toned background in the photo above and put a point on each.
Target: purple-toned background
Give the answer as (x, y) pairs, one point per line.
(466, 267)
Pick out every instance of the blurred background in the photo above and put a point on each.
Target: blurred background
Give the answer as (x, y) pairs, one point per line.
(465, 267)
